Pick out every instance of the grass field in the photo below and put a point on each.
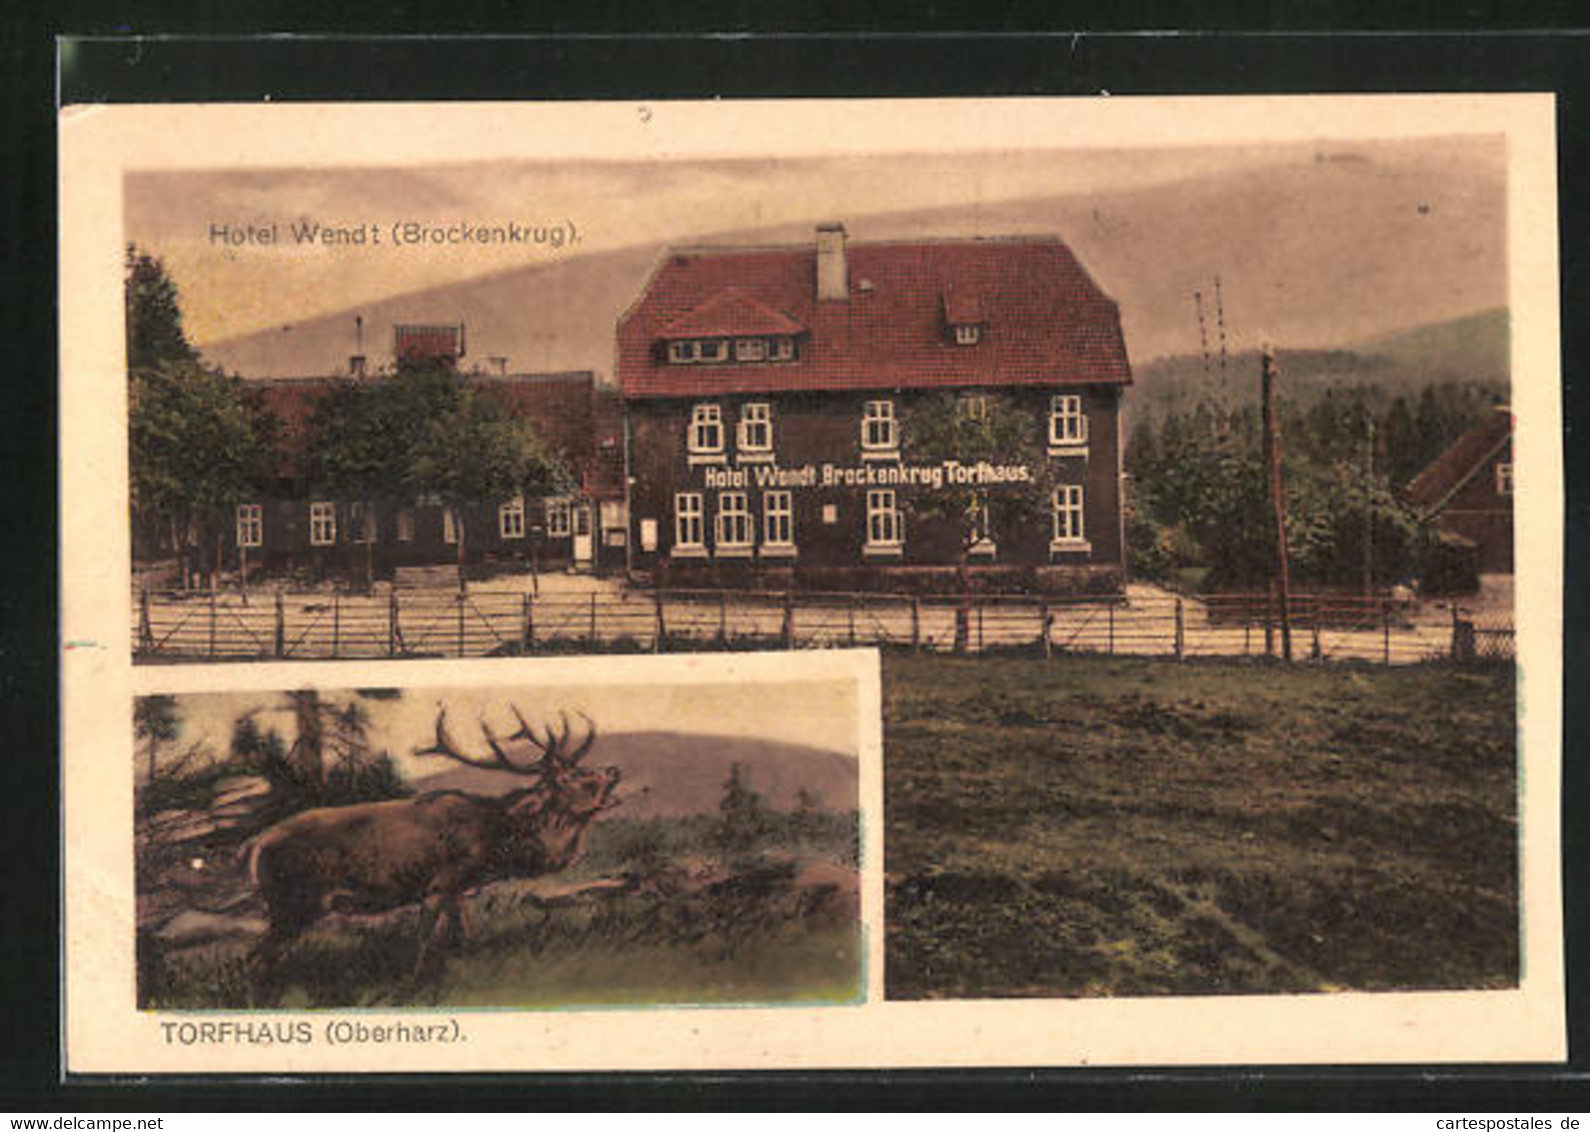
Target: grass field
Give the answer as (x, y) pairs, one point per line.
(1088, 827)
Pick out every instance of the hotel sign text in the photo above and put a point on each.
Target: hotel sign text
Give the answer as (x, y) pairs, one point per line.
(979, 474)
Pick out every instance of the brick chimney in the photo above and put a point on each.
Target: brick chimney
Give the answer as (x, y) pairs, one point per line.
(833, 276)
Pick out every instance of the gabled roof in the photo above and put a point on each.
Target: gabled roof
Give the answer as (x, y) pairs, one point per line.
(729, 313)
(1046, 321)
(1432, 488)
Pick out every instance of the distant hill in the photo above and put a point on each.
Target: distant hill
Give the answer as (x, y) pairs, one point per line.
(1317, 253)
(666, 773)
(1472, 349)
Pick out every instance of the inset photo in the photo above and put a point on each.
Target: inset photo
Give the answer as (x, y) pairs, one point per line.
(515, 845)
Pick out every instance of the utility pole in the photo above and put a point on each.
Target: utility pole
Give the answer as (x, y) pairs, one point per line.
(1272, 458)
(1369, 503)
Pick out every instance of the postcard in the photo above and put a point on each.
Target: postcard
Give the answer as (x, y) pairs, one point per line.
(807, 584)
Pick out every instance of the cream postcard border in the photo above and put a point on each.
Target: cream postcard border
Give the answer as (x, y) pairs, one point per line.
(102, 1031)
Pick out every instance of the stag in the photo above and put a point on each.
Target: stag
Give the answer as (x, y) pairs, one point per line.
(430, 850)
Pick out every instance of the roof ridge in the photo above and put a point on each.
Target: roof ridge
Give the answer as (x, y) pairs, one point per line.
(918, 241)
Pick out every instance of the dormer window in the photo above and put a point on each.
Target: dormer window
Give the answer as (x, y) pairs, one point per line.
(682, 352)
(712, 350)
(750, 349)
(968, 335)
(781, 349)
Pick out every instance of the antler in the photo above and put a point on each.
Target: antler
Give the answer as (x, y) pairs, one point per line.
(445, 747)
(552, 746)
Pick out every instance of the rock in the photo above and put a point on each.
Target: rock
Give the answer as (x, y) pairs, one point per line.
(193, 926)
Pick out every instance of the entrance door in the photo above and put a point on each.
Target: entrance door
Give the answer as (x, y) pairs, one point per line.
(582, 536)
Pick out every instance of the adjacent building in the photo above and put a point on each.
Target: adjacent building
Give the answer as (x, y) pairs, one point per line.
(769, 396)
(1467, 492)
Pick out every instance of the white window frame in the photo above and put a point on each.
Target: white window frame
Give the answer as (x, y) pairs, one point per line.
(778, 523)
(1067, 518)
(1068, 425)
(361, 523)
(968, 334)
(733, 533)
(781, 349)
(750, 349)
(690, 524)
(720, 351)
(885, 526)
(880, 431)
(449, 526)
(510, 519)
(403, 524)
(705, 416)
(682, 352)
(250, 524)
(560, 523)
(1504, 479)
(322, 524)
(755, 415)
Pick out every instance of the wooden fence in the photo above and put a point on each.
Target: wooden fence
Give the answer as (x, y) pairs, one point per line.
(173, 627)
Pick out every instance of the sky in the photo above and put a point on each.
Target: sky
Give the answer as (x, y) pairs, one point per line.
(820, 714)
(230, 291)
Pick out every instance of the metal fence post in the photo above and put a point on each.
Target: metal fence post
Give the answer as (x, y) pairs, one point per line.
(336, 623)
(281, 625)
(1043, 630)
(662, 625)
(787, 630)
(527, 629)
(212, 622)
(1385, 633)
(460, 600)
(592, 635)
(391, 622)
(850, 606)
(916, 623)
(1112, 628)
(1181, 640)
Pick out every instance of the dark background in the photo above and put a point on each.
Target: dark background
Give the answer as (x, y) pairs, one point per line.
(582, 54)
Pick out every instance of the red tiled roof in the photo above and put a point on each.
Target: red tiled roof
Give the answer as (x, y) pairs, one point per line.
(963, 306)
(728, 313)
(1431, 488)
(412, 342)
(1046, 321)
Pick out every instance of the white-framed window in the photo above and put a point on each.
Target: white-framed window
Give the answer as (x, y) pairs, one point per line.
(733, 533)
(1068, 425)
(361, 522)
(403, 524)
(756, 430)
(705, 441)
(510, 518)
(449, 526)
(322, 524)
(558, 522)
(712, 350)
(782, 350)
(750, 349)
(682, 352)
(689, 525)
(967, 335)
(778, 522)
(974, 406)
(884, 527)
(250, 524)
(1065, 505)
(879, 434)
(1504, 479)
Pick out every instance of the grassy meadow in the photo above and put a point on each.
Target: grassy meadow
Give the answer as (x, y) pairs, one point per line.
(1092, 827)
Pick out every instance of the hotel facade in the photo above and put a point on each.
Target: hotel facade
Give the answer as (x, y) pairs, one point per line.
(769, 396)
